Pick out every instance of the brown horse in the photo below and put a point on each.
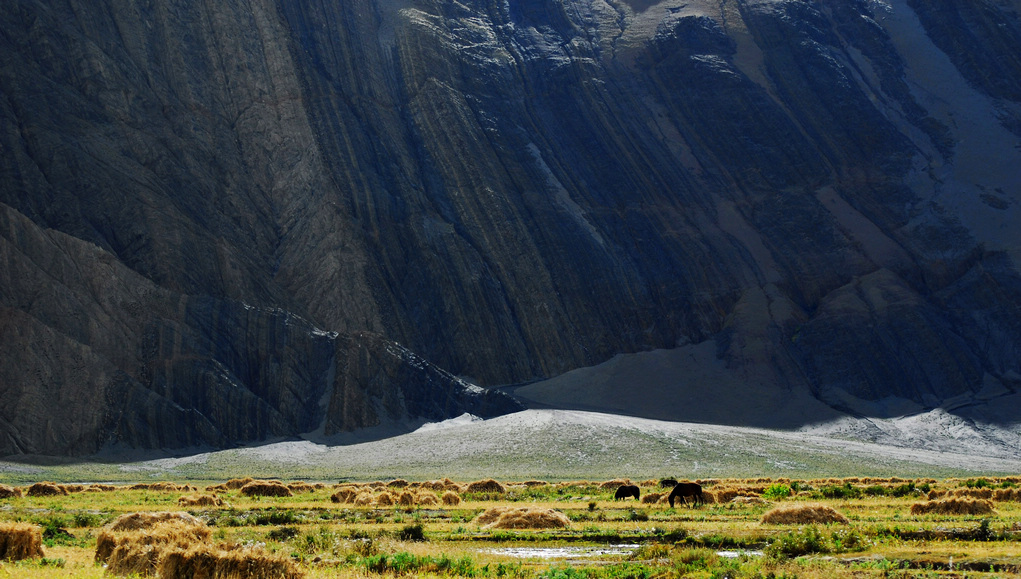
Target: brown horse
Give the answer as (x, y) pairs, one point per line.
(625, 491)
(686, 489)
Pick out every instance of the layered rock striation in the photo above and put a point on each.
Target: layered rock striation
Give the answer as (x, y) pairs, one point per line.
(224, 222)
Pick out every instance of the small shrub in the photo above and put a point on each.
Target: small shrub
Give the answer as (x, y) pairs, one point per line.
(776, 491)
(847, 491)
(414, 532)
(797, 543)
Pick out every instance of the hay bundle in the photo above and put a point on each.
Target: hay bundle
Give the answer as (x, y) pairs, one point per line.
(953, 506)
(398, 483)
(974, 493)
(652, 498)
(485, 486)
(301, 487)
(236, 483)
(138, 550)
(209, 561)
(451, 498)
(102, 488)
(522, 518)
(220, 488)
(385, 499)
(803, 515)
(20, 541)
(136, 521)
(45, 489)
(612, 485)
(535, 483)
(406, 499)
(1004, 495)
(200, 501)
(266, 488)
(345, 495)
(73, 488)
(139, 487)
(7, 492)
(363, 499)
(426, 498)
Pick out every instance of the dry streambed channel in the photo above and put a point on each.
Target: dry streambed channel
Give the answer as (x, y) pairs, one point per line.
(856, 527)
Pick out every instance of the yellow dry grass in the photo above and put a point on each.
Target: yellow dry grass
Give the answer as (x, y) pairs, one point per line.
(20, 541)
(953, 506)
(451, 498)
(522, 518)
(217, 563)
(803, 515)
(263, 488)
(45, 489)
(485, 486)
(7, 492)
(200, 501)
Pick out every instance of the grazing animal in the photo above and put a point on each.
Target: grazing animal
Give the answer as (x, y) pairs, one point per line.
(668, 483)
(625, 491)
(685, 489)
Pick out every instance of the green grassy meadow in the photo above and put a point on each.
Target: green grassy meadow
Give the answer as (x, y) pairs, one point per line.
(604, 538)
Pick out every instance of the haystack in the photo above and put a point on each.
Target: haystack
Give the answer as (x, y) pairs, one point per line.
(652, 498)
(385, 499)
(803, 515)
(426, 498)
(522, 518)
(301, 487)
(138, 550)
(397, 483)
(450, 498)
(1004, 495)
(45, 489)
(406, 499)
(953, 506)
(363, 499)
(265, 488)
(345, 495)
(7, 492)
(200, 501)
(20, 541)
(136, 521)
(612, 485)
(236, 483)
(485, 486)
(210, 561)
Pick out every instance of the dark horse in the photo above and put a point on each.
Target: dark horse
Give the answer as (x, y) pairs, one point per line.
(685, 489)
(625, 491)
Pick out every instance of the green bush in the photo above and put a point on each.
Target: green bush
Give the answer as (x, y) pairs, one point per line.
(841, 492)
(797, 543)
(777, 491)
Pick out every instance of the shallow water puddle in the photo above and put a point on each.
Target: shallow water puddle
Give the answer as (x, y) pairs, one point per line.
(590, 552)
(563, 552)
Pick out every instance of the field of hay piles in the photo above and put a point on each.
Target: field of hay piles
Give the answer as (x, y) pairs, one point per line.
(953, 506)
(20, 541)
(803, 515)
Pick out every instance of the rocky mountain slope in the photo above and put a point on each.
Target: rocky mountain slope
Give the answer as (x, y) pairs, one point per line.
(225, 221)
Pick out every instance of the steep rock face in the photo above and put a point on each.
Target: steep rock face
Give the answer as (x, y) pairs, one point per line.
(255, 211)
(94, 354)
